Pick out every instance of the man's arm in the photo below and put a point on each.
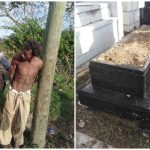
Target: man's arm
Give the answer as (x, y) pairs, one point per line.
(13, 67)
(39, 73)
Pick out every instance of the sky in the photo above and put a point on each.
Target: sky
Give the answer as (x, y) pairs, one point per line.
(3, 32)
(5, 21)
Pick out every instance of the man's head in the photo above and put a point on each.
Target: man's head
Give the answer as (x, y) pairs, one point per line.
(31, 48)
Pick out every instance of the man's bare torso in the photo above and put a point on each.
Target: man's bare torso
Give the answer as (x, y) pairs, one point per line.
(25, 72)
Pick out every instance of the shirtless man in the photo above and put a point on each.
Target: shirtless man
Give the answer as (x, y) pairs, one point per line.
(24, 70)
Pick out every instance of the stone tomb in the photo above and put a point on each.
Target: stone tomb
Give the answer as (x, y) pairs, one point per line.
(120, 77)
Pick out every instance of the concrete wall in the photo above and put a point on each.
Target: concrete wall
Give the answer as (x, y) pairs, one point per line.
(131, 15)
(98, 27)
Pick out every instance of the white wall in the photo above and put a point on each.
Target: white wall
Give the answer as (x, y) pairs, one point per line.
(131, 14)
(98, 27)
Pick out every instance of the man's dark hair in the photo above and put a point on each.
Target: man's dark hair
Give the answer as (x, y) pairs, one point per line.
(34, 46)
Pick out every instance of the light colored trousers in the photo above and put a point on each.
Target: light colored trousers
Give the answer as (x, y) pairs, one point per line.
(15, 115)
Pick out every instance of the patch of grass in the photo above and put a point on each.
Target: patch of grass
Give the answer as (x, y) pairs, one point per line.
(62, 97)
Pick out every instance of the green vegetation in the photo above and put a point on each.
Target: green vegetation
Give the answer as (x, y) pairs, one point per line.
(29, 29)
(62, 97)
(66, 51)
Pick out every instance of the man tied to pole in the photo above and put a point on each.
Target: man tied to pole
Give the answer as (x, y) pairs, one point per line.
(23, 72)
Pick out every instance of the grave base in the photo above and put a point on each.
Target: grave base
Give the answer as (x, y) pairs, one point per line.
(115, 102)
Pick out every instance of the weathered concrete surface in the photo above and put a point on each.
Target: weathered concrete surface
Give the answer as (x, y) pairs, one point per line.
(85, 141)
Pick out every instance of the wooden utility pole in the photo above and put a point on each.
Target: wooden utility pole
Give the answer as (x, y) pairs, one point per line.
(50, 52)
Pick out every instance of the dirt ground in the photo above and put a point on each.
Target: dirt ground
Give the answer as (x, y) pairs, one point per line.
(112, 129)
(133, 50)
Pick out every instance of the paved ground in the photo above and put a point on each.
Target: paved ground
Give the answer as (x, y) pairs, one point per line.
(85, 141)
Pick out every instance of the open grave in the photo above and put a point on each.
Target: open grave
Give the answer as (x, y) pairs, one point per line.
(120, 76)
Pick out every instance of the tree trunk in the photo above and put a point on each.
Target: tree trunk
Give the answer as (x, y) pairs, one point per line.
(50, 52)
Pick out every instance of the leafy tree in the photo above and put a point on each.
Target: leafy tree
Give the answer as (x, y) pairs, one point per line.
(30, 29)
